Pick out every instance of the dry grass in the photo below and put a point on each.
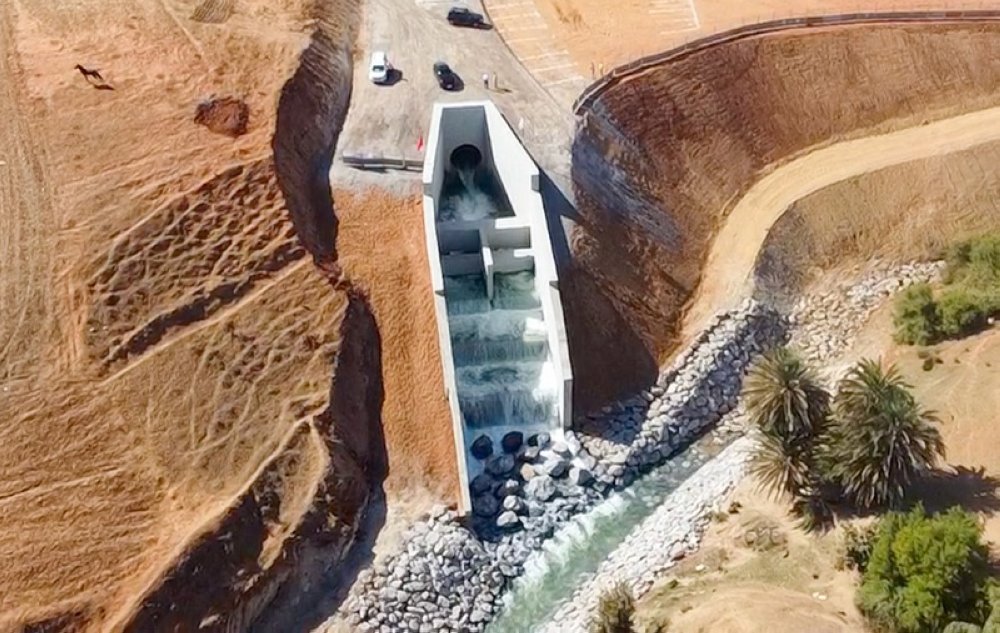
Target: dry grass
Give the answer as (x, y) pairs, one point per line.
(744, 588)
(676, 148)
(924, 205)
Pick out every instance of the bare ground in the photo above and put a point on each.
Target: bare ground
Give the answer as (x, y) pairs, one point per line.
(167, 349)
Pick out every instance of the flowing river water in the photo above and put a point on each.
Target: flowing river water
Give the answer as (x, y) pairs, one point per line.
(571, 557)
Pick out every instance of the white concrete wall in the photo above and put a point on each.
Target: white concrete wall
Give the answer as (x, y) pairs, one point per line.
(433, 176)
(519, 177)
(508, 244)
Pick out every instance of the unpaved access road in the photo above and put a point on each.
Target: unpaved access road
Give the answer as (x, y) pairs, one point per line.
(726, 277)
(388, 120)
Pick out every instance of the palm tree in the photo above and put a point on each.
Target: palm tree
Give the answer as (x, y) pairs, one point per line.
(785, 400)
(882, 438)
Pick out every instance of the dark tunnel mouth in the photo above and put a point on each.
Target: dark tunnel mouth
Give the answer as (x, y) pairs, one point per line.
(466, 157)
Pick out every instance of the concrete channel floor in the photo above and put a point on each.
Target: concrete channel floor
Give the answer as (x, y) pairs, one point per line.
(388, 120)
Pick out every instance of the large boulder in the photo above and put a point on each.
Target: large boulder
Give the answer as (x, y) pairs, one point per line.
(554, 467)
(500, 465)
(508, 520)
(541, 440)
(482, 447)
(580, 476)
(512, 441)
(481, 484)
(485, 505)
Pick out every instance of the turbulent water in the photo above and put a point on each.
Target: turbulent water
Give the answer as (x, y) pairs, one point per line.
(468, 197)
(502, 367)
(573, 555)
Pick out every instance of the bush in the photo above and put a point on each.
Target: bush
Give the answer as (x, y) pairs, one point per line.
(615, 612)
(961, 312)
(916, 316)
(925, 572)
(858, 543)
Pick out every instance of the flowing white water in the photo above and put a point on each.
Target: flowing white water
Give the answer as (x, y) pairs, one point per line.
(465, 199)
(571, 557)
(502, 367)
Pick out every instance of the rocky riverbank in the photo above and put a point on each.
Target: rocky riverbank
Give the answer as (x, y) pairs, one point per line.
(452, 572)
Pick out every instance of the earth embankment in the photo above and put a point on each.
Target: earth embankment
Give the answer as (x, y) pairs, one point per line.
(204, 407)
(661, 159)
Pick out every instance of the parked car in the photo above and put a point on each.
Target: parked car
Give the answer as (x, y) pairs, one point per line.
(446, 77)
(379, 69)
(460, 16)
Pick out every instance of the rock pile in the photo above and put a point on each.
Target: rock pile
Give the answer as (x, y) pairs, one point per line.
(452, 572)
(825, 323)
(701, 386)
(669, 534)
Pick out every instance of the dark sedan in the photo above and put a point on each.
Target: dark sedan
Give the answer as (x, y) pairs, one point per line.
(446, 77)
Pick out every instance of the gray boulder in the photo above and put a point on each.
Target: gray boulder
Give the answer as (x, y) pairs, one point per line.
(580, 476)
(508, 520)
(514, 504)
(512, 441)
(554, 467)
(509, 487)
(482, 447)
(500, 465)
(485, 505)
(541, 488)
(481, 484)
(541, 440)
(527, 472)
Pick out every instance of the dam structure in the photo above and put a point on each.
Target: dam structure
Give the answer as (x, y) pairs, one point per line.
(496, 288)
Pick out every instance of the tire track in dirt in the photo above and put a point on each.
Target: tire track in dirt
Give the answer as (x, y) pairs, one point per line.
(205, 250)
(25, 226)
(728, 269)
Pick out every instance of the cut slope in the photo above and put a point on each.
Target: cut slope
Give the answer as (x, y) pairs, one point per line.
(189, 404)
(925, 204)
(660, 159)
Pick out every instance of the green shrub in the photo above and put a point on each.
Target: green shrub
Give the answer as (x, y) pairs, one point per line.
(616, 611)
(925, 572)
(961, 312)
(916, 316)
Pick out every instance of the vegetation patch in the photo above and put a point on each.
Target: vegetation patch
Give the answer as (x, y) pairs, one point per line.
(866, 445)
(926, 572)
(969, 298)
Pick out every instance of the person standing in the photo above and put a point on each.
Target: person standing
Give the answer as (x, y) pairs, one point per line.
(486, 81)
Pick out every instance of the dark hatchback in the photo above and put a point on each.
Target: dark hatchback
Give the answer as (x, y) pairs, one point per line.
(446, 77)
(460, 16)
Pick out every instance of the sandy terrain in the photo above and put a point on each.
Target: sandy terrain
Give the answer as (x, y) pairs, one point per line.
(927, 203)
(654, 184)
(587, 38)
(762, 575)
(728, 271)
(167, 348)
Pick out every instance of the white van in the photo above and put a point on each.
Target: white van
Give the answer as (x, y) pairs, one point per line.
(379, 68)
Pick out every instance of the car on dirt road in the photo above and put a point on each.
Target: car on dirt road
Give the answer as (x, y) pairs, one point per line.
(460, 16)
(445, 76)
(379, 68)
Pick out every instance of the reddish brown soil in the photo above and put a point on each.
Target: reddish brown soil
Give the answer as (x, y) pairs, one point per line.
(382, 249)
(666, 154)
(227, 115)
(190, 403)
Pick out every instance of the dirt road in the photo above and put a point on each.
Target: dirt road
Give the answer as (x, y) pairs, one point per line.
(726, 276)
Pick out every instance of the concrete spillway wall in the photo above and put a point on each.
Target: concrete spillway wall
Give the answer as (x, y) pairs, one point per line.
(514, 241)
